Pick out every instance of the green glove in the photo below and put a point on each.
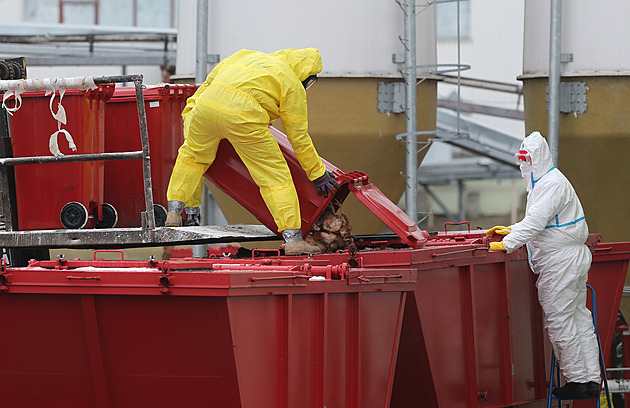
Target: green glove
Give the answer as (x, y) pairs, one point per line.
(497, 246)
(499, 229)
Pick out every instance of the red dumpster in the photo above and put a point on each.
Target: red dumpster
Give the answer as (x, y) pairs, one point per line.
(73, 191)
(124, 187)
(473, 331)
(332, 330)
(217, 333)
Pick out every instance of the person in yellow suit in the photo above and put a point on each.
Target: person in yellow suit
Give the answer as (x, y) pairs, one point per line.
(242, 95)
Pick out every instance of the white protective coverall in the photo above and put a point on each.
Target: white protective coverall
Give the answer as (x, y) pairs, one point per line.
(238, 100)
(555, 231)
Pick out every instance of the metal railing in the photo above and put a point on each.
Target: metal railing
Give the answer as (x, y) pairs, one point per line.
(148, 219)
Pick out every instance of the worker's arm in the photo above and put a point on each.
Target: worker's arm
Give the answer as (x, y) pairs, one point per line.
(544, 203)
(294, 116)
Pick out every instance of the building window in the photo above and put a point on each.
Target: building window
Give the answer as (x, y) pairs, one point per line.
(446, 20)
(124, 13)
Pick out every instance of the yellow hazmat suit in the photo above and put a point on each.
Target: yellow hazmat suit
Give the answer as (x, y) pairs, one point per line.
(238, 100)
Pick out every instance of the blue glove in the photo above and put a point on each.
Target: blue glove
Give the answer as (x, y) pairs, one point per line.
(326, 184)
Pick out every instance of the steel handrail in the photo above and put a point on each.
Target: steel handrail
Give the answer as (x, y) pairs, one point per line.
(148, 224)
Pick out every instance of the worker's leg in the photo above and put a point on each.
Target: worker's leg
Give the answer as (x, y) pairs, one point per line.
(193, 211)
(561, 291)
(558, 294)
(263, 158)
(199, 150)
(584, 319)
(588, 340)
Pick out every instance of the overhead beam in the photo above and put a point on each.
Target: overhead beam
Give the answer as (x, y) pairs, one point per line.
(481, 109)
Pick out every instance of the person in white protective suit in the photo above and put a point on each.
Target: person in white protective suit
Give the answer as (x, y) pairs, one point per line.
(555, 231)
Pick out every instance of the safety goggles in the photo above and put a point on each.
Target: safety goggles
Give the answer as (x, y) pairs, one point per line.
(522, 157)
(308, 82)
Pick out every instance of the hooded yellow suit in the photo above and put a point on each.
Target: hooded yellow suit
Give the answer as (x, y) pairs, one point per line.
(238, 100)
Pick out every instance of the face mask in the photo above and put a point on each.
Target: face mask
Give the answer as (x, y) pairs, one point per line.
(527, 172)
(308, 82)
(522, 157)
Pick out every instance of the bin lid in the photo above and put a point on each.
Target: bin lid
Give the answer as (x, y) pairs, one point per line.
(388, 212)
(158, 92)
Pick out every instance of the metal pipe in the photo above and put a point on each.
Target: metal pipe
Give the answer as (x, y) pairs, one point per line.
(482, 84)
(117, 78)
(201, 71)
(146, 160)
(555, 46)
(411, 196)
(461, 208)
(16, 161)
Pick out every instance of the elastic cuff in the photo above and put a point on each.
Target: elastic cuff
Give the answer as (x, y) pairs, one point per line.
(175, 206)
(292, 235)
(193, 210)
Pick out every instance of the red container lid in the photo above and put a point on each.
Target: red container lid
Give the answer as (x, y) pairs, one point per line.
(160, 92)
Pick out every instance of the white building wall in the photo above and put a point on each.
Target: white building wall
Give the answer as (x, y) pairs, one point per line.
(355, 37)
(595, 32)
(13, 11)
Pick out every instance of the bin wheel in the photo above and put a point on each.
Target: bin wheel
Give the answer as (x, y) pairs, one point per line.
(160, 215)
(110, 217)
(74, 215)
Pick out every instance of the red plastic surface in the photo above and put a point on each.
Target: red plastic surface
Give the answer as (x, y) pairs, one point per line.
(231, 176)
(43, 189)
(124, 188)
(395, 218)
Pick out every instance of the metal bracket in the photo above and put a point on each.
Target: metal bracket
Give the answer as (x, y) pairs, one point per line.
(165, 278)
(391, 97)
(3, 276)
(573, 98)
(398, 58)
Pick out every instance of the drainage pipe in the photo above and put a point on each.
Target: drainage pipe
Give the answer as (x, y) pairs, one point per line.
(555, 46)
(411, 195)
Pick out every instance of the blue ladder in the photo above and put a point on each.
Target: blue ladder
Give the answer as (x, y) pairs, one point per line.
(555, 367)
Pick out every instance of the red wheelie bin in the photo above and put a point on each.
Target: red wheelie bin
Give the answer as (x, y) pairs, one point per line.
(124, 187)
(58, 195)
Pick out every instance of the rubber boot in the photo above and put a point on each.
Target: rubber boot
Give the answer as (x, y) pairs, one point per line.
(574, 390)
(193, 217)
(300, 248)
(295, 244)
(173, 219)
(174, 214)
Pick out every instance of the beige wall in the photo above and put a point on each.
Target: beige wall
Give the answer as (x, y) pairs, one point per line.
(593, 150)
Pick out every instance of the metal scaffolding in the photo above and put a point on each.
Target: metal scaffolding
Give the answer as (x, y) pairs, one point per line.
(147, 235)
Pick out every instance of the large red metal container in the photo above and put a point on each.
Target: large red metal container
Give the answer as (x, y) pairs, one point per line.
(219, 333)
(473, 332)
(447, 325)
(61, 183)
(124, 188)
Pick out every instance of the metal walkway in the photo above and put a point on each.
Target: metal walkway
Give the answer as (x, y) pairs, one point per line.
(147, 235)
(135, 237)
